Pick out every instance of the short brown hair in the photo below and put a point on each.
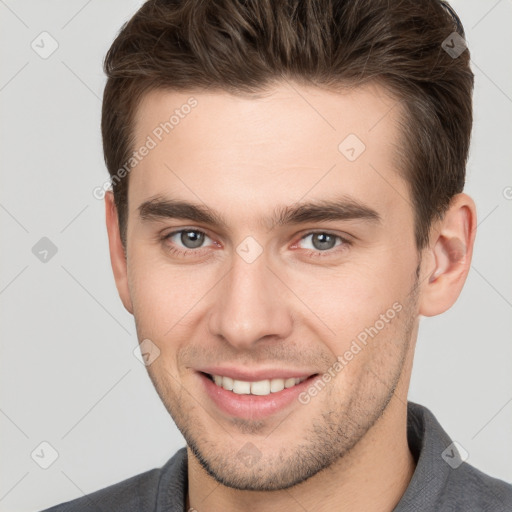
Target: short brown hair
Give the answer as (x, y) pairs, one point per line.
(246, 46)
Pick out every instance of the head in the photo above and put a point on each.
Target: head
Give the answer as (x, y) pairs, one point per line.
(287, 201)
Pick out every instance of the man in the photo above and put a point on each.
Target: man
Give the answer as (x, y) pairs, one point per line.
(287, 201)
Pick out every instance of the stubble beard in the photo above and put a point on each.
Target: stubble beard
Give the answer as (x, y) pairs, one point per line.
(330, 436)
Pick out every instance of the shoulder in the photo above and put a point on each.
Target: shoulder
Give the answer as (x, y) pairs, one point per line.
(136, 494)
(442, 480)
(476, 491)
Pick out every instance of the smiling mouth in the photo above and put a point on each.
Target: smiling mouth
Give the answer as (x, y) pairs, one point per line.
(259, 388)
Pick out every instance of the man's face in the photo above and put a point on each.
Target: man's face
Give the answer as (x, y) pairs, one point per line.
(266, 296)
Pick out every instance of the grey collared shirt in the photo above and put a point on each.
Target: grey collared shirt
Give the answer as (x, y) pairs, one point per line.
(441, 481)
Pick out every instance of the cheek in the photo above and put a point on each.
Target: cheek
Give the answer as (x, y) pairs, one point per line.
(160, 294)
(349, 301)
(350, 294)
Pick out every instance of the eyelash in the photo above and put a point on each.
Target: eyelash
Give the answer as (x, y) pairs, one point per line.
(345, 243)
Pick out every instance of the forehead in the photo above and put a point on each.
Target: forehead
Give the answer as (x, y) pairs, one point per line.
(287, 142)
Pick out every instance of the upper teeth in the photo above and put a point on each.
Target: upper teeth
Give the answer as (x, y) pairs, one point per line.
(261, 387)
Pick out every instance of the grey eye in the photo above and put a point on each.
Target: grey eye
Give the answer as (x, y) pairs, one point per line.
(322, 241)
(192, 239)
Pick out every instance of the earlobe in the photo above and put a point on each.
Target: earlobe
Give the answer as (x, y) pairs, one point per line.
(117, 254)
(451, 249)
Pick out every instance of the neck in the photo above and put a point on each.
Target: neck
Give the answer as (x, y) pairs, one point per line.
(373, 476)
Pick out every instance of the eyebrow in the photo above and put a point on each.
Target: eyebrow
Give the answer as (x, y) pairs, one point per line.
(159, 208)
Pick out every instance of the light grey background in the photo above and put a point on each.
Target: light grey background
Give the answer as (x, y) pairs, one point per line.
(68, 373)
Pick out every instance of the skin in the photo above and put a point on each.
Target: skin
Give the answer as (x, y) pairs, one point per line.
(295, 306)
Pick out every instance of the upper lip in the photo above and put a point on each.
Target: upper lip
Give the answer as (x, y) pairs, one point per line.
(255, 374)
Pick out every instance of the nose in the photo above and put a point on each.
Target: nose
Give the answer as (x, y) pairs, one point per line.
(250, 305)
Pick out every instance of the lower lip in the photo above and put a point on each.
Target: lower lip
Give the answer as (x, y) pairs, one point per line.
(252, 407)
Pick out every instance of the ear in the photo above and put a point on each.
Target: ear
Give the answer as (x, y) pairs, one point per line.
(117, 254)
(448, 256)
